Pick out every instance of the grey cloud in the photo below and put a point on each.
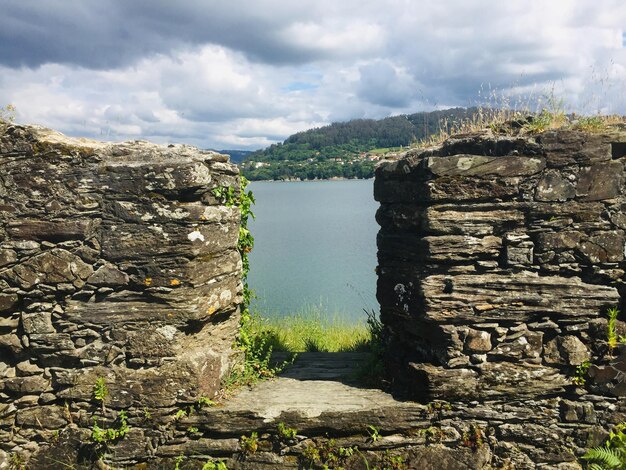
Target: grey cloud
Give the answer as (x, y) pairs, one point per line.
(89, 34)
(105, 34)
(147, 116)
(214, 73)
(381, 84)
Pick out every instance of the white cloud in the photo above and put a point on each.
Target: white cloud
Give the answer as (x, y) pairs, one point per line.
(340, 38)
(242, 74)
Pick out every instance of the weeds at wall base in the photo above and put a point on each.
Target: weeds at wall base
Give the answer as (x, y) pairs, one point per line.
(257, 352)
(372, 372)
(612, 341)
(610, 456)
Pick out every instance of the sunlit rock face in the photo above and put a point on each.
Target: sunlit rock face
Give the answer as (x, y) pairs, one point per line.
(117, 262)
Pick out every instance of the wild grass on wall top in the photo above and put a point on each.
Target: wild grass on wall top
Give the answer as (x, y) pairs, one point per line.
(515, 122)
(7, 116)
(505, 112)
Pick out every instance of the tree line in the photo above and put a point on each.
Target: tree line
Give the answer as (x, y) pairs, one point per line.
(337, 150)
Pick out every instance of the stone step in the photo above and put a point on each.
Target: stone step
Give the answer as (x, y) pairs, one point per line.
(339, 421)
(319, 393)
(342, 366)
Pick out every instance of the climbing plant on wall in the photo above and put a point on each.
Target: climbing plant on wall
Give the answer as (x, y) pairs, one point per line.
(245, 245)
(252, 341)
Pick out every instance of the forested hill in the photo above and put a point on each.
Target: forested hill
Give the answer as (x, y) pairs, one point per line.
(346, 149)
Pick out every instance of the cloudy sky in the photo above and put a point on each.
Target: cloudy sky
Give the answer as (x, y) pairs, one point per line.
(243, 74)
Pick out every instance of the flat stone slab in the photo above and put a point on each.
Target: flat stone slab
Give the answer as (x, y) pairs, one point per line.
(341, 366)
(320, 396)
(319, 393)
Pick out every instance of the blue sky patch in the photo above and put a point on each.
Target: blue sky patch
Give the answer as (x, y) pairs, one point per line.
(299, 86)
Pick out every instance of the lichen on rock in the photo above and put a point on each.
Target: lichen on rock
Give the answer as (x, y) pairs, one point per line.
(100, 280)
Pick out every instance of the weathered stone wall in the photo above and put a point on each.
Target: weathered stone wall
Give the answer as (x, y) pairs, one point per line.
(116, 262)
(498, 259)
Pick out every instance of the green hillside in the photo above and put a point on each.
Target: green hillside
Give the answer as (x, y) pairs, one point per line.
(346, 149)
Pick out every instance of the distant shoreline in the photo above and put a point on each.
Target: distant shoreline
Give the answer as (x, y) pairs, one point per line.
(296, 180)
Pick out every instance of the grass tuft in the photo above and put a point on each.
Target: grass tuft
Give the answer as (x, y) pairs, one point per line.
(502, 113)
(312, 330)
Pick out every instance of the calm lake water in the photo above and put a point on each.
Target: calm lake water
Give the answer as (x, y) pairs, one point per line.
(315, 247)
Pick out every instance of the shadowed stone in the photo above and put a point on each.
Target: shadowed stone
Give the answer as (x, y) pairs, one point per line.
(108, 275)
(52, 267)
(554, 187)
(600, 181)
(496, 265)
(7, 302)
(478, 341)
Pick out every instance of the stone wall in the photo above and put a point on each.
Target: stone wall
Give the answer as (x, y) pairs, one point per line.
(499, 257)
(117, 262)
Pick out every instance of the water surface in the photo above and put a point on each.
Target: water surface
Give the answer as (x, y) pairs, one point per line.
(315, 246)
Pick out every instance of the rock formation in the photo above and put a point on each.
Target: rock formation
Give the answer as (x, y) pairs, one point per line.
(117, 264)
(499, 260)
(499, 257)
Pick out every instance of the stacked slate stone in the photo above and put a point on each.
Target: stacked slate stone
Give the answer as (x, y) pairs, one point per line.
(117, 262)
(499, 257)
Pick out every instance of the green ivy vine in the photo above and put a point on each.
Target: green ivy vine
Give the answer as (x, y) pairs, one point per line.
(254, 344)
